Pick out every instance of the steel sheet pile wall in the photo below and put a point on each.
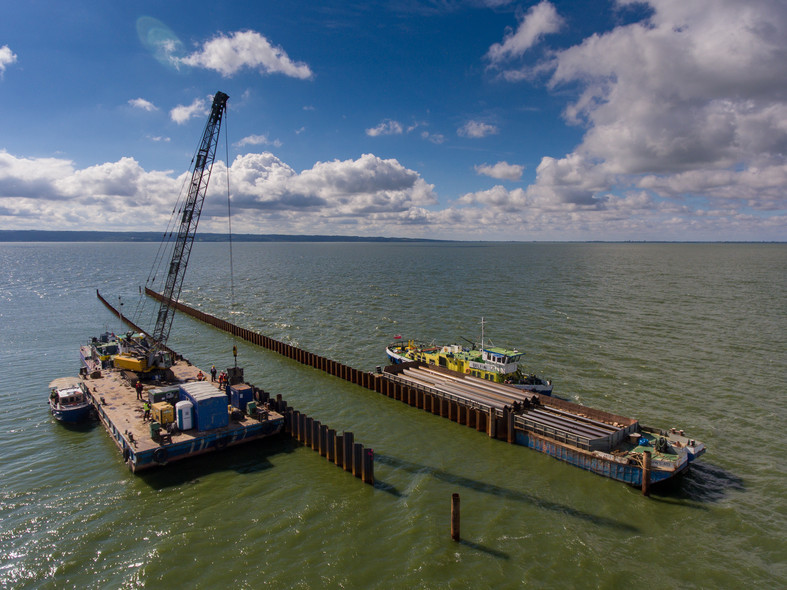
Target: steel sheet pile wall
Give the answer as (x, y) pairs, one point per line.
(497, 423)
(362, 378)
(339, 449)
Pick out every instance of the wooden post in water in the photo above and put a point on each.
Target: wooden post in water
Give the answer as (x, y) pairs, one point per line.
(307, 439)
(302, 428)
(646, 473)
(324, 440)
(316, 435)
(347, 450)
(331, 450)
(492, 423)
(338, 457)
(368, 466)
(510, 427)
(296, 425)
(455, 517)
(358, 460)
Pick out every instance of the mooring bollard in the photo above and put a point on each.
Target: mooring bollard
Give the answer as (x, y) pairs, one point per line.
(455, 517)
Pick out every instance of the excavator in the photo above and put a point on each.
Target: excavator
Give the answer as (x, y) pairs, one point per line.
(147, 354)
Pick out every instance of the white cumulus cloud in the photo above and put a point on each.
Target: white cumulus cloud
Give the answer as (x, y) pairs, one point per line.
(141, 103)
(540, 20)
(387, 127)
(501, 171)
(338, 188)
(7, 57)
(182, 113)
(257, 140)
(227, 54)
(476, 129)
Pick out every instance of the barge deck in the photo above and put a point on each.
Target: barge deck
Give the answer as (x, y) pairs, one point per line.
(114, 397)
(607, 444)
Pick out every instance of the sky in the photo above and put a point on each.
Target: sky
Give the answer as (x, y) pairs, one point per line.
(444, 119)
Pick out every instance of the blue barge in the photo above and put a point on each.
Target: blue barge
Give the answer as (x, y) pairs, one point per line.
(607, 444)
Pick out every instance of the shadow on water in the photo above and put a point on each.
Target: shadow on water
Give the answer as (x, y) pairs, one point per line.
(494, 490)
(704, 482)
(247, 458)
(484, 549)
(387, 488)
(86, 426)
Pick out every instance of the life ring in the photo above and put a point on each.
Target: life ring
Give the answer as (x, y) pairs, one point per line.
(160, 455)
(467, 371)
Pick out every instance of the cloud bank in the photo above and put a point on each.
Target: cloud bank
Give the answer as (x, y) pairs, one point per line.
(364, 194)
(687, 106)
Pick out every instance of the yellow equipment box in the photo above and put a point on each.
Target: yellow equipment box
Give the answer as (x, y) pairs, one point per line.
(163, 413)
(123, 361)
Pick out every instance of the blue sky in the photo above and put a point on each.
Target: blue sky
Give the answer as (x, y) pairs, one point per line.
(451, 119)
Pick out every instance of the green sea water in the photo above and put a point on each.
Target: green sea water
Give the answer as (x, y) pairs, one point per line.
(692, 336)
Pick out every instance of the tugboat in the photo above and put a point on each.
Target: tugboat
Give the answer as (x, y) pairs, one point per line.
(496, 364)
(68, 400)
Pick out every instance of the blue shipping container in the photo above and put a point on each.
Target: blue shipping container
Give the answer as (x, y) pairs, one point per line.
(240, 395)
(210, 405)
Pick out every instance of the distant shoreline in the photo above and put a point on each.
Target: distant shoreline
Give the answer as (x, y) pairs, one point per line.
(120, 236)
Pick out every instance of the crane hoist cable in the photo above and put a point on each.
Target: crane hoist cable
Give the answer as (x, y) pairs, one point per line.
(229, 230)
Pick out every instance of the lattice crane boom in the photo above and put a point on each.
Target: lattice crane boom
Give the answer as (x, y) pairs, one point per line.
(192, 208)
